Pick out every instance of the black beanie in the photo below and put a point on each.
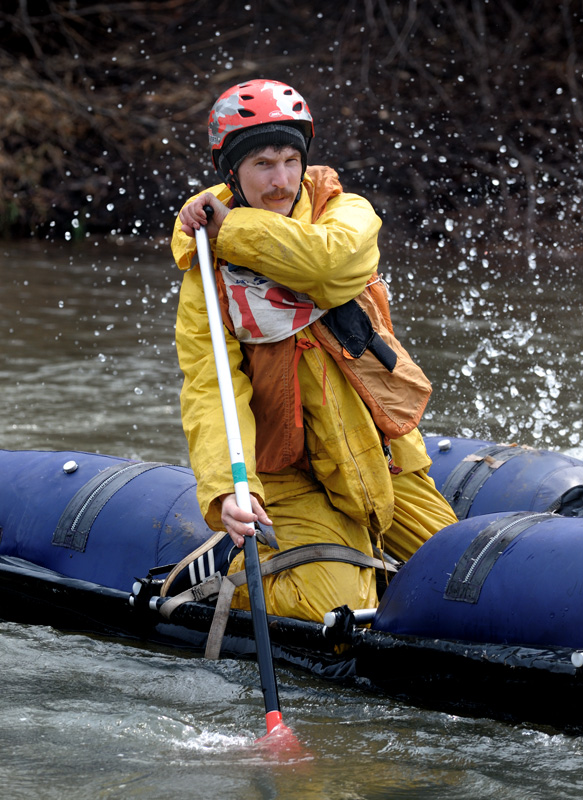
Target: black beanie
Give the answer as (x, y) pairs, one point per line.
(266, 135)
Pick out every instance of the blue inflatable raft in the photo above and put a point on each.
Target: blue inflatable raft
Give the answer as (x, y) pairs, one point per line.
(485, 618)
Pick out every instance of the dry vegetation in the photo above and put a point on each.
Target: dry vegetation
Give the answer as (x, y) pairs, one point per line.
(451, 116)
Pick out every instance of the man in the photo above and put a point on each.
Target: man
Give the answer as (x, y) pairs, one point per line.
(292, 251)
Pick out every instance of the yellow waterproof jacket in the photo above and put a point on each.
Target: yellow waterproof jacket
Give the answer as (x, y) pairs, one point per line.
(329, 260)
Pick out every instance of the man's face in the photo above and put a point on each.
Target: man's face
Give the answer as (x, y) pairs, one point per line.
(271, 179)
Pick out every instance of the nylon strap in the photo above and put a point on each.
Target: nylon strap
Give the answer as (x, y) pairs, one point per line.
(220, 617)
(189, 559)
(202, 591)
(296, 556)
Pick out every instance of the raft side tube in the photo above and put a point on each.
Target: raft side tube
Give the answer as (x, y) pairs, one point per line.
(500, 578)
(478, 477)
(107, 521)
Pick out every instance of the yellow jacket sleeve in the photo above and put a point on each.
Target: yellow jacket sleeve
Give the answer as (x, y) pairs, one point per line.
(409, 453)
(329, 260)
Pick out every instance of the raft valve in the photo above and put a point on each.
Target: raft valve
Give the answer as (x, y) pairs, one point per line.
(70, 466)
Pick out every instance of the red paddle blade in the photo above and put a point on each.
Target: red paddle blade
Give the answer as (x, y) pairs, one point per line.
(279, 737)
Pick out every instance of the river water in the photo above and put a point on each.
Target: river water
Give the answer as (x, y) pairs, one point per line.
(88, 363)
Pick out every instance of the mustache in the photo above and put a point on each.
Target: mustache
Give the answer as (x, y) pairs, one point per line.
(279, 195)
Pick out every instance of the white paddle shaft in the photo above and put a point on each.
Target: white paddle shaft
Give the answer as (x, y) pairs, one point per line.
(235, 444)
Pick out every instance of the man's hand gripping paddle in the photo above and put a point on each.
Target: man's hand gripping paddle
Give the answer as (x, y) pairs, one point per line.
(276, 730)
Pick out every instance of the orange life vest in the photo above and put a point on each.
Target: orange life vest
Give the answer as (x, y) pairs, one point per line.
(395, 399)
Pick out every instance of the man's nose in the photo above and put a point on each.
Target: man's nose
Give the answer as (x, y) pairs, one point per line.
(279, 177)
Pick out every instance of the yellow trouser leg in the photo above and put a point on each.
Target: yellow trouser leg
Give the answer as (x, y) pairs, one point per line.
(420, 511)
(308, 591)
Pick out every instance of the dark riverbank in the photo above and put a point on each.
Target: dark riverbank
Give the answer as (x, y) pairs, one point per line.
(459, 120)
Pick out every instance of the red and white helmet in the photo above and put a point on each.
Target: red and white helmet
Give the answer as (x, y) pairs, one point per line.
(257, 102)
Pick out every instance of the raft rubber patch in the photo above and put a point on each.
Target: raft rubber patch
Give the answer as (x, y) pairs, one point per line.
(75, 524)
(466, 480)
(477, 561)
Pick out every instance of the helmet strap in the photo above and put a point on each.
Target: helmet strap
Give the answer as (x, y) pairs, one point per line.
(232, 181)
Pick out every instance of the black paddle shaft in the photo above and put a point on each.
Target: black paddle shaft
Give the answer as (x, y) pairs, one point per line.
(260, 626)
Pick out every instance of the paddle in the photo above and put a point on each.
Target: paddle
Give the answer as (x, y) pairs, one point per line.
(273, 716)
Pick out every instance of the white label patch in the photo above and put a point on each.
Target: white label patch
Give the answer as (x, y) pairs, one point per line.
(263, 310)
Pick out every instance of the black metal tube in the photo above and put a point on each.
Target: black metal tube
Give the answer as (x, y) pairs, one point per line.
(260, 627)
